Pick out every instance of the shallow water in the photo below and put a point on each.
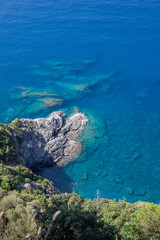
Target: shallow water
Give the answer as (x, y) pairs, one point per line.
(113, 48)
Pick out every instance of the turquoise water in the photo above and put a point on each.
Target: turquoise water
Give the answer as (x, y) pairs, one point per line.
(102, 57)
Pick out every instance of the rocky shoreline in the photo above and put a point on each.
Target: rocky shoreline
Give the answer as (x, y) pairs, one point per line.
(51, 140)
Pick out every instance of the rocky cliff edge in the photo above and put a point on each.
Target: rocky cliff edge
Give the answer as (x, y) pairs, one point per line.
(52, 140)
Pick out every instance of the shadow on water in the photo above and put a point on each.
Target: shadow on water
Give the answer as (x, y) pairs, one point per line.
(58, 176)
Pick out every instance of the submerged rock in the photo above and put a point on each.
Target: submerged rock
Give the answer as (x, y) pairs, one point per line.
(130, 191)
(140, 192)
(47, 140)
(81, 87)
(85, 176)
(37, 94)
(25, 89)
(52, 102)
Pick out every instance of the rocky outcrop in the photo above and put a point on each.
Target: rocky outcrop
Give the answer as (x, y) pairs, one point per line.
(52, 140)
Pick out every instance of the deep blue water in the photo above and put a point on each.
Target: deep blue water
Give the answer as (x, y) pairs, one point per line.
(113, 46)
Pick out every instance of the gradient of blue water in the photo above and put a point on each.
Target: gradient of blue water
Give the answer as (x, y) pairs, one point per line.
(123, 37)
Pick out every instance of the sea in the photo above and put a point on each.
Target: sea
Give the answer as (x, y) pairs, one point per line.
(100, 57)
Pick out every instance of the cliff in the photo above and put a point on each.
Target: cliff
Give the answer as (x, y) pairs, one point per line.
(48, 140)
(43, 142)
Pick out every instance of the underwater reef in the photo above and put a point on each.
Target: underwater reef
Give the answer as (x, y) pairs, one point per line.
(59, 84)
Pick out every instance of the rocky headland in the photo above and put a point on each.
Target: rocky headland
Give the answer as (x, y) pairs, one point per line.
(51, 140)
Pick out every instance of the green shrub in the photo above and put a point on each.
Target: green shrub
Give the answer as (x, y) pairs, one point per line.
(16, 125)
(16, 218)
(75, 221)
(7, 145)
(144, 224)
(27, 180)
(114, 213)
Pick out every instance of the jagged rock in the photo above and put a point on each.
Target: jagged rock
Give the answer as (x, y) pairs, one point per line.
(47, 140)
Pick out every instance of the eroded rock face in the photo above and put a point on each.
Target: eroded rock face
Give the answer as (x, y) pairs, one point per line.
(48, 140)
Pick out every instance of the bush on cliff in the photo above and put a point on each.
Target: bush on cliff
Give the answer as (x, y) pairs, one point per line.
(144, 224)
(22, 216)
(29, 212)
(7, 145)
(115, 213)
(15, 178)
(78, 219)
(16, 218)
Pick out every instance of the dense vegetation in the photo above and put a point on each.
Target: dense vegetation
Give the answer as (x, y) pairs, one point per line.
(31, 207)
(28, 215)
(21, 178)
(9, 135)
